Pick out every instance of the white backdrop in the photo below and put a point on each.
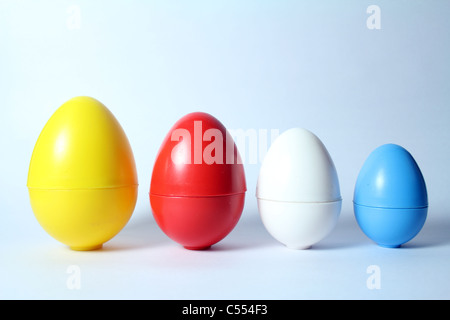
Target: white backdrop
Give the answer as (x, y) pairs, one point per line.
(255, 65)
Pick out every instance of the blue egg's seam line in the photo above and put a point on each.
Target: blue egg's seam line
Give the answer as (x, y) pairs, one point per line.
(400, 208)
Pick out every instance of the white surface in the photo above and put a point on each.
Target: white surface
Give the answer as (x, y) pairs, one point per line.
(253, 65)
(142, 263)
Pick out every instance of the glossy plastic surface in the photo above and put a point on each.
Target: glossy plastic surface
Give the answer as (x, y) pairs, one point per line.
(198, 157)
(198, 186)
(299, 225)
(82, 146)
(390, 227)
(82, 177)
(298, 168)
(83, 219)
(391, 178)
(197, 222)
(298, 190)
(390, 197)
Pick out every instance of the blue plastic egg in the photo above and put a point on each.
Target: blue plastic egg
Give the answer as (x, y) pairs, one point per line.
(390, 198)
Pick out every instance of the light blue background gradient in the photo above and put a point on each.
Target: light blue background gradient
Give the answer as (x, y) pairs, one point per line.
(253, 65)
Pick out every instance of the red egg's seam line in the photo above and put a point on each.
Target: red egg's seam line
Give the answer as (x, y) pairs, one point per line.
(376, 207)
(196, 196)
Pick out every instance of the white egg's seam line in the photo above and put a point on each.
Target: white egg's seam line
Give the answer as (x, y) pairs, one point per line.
(306, 202)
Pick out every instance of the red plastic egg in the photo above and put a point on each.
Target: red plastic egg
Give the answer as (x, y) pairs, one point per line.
(198, 187)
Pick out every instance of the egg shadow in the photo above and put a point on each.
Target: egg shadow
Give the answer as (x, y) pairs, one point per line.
(249, 233)
(346, 234)
(435, 232)
(141, 232)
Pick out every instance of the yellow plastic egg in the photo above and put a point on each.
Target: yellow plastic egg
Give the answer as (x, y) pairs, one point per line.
(82, 178)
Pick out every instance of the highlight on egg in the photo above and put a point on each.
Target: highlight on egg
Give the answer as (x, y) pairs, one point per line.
(298, 191)
(82, 178)
(390, 198)
(197, 189)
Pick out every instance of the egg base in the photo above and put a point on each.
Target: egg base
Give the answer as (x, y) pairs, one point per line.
(390, 246)
(390, 227)
(89, 248)
(83, 219)
(299, 225)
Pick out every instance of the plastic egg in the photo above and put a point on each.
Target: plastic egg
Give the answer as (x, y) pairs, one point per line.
(198, 186)
(390, 198)
(298, 192)
(82, 179)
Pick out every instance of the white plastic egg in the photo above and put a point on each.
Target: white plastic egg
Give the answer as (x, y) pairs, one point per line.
(298, 192)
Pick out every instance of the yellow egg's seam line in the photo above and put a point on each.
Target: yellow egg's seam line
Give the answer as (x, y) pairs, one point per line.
(81, 188)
